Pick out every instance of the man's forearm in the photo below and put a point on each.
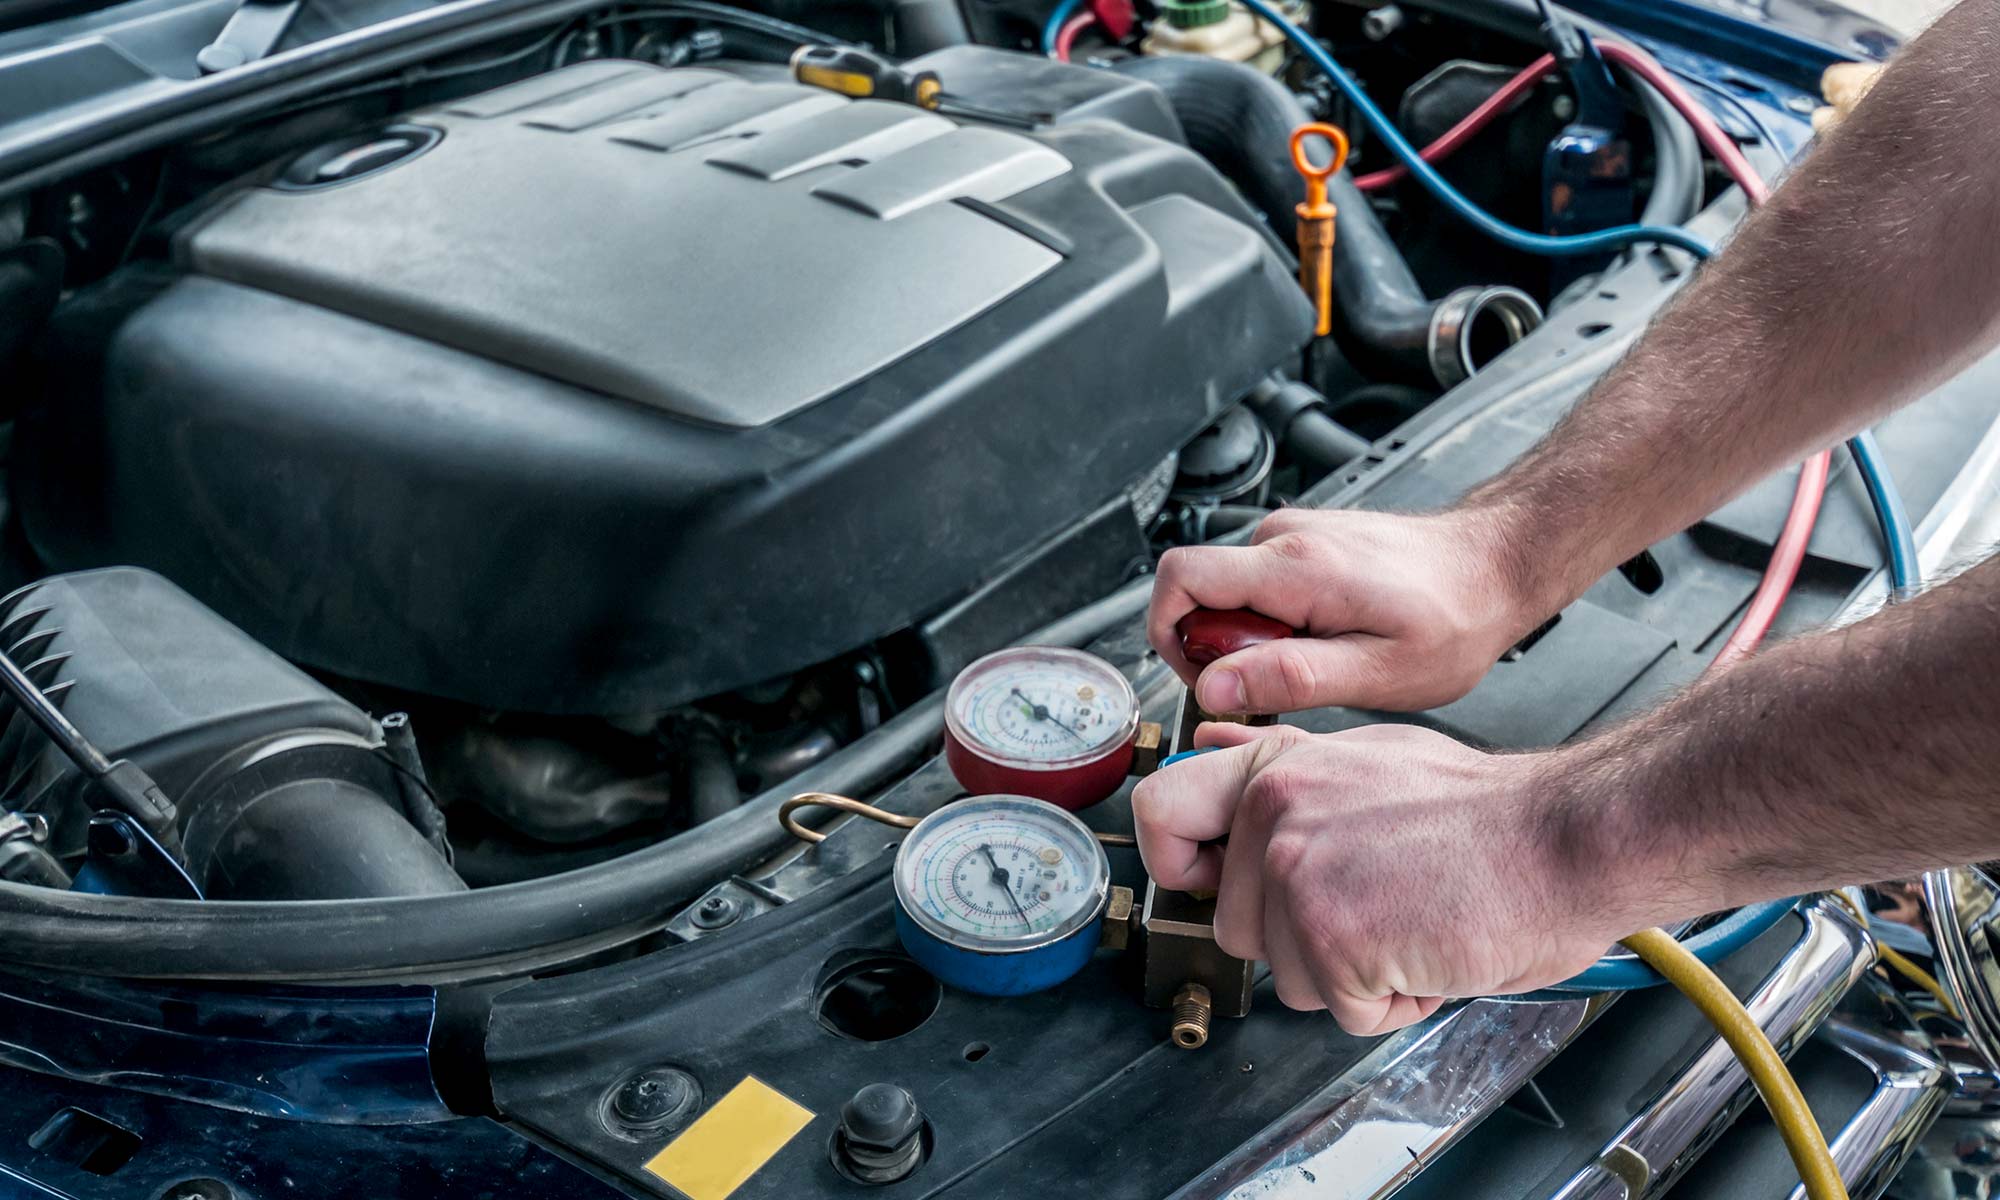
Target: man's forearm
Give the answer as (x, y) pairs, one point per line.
(1857, 754)
(1872, 276)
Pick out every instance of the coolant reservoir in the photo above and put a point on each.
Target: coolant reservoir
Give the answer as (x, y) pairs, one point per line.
(1219, 29)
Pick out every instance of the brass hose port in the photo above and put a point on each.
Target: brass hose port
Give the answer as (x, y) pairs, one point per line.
(1191, 1012)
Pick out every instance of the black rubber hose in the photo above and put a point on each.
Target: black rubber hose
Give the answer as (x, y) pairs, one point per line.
(1207, 524)
(711, 778)
(1378, 406)
(1297, 416)
(1677, 170)
(469, 935)
(1317, 440)
(1241, 120)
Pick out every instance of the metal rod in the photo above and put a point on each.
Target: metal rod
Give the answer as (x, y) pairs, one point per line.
(67, 737)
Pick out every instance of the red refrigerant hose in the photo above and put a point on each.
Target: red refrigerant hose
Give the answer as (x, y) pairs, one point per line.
(1067, 35)
(1474, 121)
(1790, 551)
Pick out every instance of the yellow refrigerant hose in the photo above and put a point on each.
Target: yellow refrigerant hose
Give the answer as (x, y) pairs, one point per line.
(1789, 1111)
(1895, 961)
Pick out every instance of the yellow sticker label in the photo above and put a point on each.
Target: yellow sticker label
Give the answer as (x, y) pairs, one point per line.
(728, 1143)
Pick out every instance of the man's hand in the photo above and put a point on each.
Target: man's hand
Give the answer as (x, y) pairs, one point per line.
(1383, 869)
(1405, 612)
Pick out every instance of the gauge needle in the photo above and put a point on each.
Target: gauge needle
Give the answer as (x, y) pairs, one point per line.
(1001, 877)
(1040, 712)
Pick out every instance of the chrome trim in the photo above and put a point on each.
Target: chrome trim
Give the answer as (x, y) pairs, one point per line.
(1392, 1114)
(1910, 1092)
(1965, 521)
(1656, 1146)
(1962, 904)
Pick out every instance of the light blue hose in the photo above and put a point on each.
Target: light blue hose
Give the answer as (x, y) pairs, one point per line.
(1711, 946)
(1904, 569)
(1063, 12)
(1598, 241)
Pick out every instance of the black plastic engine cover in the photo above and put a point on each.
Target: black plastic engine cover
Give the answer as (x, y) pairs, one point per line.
(638, 385)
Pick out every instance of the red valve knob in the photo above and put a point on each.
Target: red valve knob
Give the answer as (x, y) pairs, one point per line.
(1210, 633)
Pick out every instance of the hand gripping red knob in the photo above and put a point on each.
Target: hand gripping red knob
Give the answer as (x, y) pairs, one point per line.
(1210, 633)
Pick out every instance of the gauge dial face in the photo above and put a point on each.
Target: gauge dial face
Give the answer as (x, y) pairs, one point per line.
(1001, 873)
(1041, 707)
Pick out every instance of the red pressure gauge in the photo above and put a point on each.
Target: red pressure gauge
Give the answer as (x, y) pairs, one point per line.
(1044, 721)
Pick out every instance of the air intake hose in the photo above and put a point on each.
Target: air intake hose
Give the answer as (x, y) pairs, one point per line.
(1240, 119)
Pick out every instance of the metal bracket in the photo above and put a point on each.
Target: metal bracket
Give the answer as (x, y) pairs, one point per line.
(122, 859)
(723, 906)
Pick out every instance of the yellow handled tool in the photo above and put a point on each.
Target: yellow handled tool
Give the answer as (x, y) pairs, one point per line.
(855, 72)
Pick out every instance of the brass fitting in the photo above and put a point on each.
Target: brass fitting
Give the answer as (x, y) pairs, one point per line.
(1117, 920)
(1191, 1011)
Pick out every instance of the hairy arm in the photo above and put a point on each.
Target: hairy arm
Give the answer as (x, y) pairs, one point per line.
(1852, 755)
(1872, 276)
(1383, 868)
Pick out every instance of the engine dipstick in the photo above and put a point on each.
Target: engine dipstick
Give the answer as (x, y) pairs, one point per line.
(1049, 722)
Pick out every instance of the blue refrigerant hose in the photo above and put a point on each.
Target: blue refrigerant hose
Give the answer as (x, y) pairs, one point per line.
(1711, 946)
(1904, 570)
(1597, 241)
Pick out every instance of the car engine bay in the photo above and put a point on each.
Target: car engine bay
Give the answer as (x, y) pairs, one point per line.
(464, 500)
(415, 397)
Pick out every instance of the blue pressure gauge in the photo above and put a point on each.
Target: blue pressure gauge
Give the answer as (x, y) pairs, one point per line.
(1001, 895)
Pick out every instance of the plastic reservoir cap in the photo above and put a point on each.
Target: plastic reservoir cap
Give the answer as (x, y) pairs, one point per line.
(1193, 14)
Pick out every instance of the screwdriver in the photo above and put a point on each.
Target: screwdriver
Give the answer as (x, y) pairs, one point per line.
(864, 75)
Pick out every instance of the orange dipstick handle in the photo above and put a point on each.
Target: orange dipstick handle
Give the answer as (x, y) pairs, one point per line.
(1316, 219)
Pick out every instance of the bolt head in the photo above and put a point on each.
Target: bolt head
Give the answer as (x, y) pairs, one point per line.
(716, 912)
(651, 1100)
